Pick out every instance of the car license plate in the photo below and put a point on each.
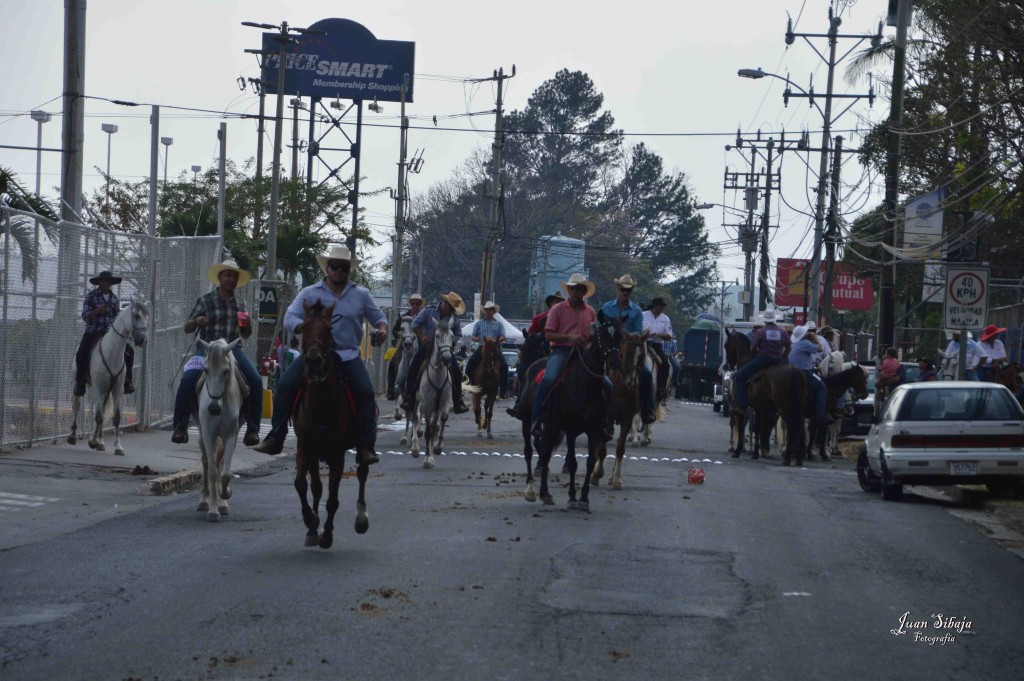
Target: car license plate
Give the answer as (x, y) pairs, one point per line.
(963, 467)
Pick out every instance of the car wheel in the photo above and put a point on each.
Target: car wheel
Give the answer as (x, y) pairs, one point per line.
(869, 482)
(717, 407)
(891, 490)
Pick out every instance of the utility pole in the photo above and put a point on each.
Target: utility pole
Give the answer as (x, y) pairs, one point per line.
(747, 236)
(762, 276)
(73, 120)
(259, 87)
(832, 235)
(222, 137)
(495, 189)
(887, 276)
(400, 198)
(295, 104)
(154, 166)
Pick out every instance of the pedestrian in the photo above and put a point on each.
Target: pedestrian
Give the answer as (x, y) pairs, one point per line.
(352, 305)
(220, 314)
(926, 370)
(100, 307)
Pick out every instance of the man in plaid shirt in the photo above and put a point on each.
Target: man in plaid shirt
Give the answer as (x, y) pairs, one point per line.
(220, 314)
(771, 345)
(98, 312)
(488, 327)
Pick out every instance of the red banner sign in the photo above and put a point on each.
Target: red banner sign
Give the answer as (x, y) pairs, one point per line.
(849, 292)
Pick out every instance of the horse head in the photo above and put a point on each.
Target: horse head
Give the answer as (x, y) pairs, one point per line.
(444, 342)
(217, 371)
(132, 322)
(859, 380)
(602, 350)
(317, 339)
(631, 354)
(408, 338)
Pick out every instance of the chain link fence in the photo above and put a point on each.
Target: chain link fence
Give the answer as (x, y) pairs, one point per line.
(45, 275)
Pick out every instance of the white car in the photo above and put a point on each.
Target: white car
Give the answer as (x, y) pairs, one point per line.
(945, 433)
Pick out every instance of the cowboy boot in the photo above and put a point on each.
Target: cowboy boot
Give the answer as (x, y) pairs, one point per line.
(366, 456)
(180, 434)
(252, 435)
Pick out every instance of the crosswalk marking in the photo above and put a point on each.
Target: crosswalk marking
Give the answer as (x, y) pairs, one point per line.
(10, 501)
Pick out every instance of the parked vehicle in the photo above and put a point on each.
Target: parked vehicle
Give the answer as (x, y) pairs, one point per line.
(945, 433)
(700, 360)
(859, 423)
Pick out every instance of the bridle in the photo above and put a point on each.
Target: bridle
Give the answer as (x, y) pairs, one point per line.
(325, 348)
(127, 337)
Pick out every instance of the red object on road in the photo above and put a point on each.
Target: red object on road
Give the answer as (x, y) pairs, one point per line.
(696, 476)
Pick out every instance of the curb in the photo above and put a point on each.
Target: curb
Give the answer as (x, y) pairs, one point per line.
(176, 482)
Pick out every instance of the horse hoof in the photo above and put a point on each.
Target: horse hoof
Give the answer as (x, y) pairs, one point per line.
(584, 506)
(203, 506)
(362, 524)
(326, 540)
(479, 433)
(72, 440)
(119, 452)
(428, 464)
(573, 504)
(404, 441)
(825, 457)
(755, 456)
(92, 445)
(548, 500)
(617, 484)
(213, 517)
(313, 539)
(785, 462)
(225, 492)
(735, 455)
(530, 495)
(223, 510)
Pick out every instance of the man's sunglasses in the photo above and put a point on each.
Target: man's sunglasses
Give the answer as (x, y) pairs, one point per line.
(343, 266)
(625, 290)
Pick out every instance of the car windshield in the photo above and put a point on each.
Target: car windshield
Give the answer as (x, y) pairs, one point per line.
(959, 404)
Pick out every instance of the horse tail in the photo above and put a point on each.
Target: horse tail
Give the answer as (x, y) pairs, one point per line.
(468, 389)
(795, 420)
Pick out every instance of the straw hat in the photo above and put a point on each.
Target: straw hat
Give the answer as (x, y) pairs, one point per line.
(336, 252)
(455, 300)
(578, 279)
(415, 296)
(798, 333)
(107, 275)
(625, 281)
(491, 305)
(768, 316)
(991, 331)
(228, 265)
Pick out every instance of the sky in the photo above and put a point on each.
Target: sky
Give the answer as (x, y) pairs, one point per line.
(667, 70)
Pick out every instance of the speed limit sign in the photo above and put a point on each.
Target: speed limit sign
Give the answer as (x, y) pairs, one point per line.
(966, 304)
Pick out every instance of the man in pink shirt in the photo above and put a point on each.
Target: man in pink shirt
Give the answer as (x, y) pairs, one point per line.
(568, 326)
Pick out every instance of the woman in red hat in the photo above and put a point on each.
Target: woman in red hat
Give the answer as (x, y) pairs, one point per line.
(996, 352)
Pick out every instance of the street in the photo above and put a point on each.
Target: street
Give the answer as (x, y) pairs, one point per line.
(762, 572)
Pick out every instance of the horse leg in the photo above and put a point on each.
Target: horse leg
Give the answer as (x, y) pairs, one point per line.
(489, 414)
(227, 451)
(439, 445)
(602, 452)
(362, 518)
(309, 516)
(544, 464)
(209, 446)
(76, 406)
(476, 415)
(334, 481)
(592, 441)
(530, 494)
(118, 449)
(204, 501)
(571, 466)
(96, 441)
(740, 426)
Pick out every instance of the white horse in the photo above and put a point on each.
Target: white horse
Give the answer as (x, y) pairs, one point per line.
(106, 372)
(434, 394)
(640, 433)
(948, 368)
(221, 390)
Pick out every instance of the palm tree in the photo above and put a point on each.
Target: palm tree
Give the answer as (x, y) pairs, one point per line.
(22, 228)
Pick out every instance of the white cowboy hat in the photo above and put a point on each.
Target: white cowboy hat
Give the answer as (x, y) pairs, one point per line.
(415, 296)
(336, 252)
(625, 281)
(950, 332)
(768, 316)
(811, 326)
(215, 270)
(455, 300)
(491, 305)
(798, 333)
(578, 279)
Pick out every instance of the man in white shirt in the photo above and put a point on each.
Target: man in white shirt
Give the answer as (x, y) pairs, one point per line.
(976, 355)
(990, 342)
(659, 326)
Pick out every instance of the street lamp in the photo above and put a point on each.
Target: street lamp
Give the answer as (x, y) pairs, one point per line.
(40, 117)
(195, 173)
(167, 142)
(110, 129)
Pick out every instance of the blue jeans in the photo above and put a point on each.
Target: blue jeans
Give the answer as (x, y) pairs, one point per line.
(740, 378)
(646, 389)
(355, 376)
(972, 375)
(818, 390)
(185, 398)
(556, 364)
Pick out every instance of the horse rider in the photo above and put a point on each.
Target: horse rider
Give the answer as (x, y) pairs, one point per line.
(536, 327)
(827, 334)
(415, 305)
(977, 356)
(805, 349)
(771, 346)
(567, 327)
(100, 307)
(632, 317)
(449, 307)
(997, 356)
(220, 314)
(488, 327)
(352, 304)
(926, 370)
(659, 326)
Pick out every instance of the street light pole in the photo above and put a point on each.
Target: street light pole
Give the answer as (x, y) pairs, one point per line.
(40, 117)
(167, 142)
(110, 129)
(195, 173)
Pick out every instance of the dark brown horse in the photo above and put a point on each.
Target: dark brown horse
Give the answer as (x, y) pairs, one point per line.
(625, 402)
(324, 428)
(852, 377)
(487, 377)
(775, 393)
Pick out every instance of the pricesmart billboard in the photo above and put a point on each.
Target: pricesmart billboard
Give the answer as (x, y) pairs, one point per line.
(849, 292)
(347, 63)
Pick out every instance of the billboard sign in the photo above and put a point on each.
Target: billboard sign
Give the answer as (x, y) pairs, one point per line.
(348, 62)
(922, 224)
(849, 292)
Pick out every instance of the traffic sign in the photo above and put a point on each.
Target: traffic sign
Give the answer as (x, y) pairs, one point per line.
(966, 300)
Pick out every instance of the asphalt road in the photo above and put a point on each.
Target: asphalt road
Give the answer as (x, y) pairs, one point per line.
(763, 572)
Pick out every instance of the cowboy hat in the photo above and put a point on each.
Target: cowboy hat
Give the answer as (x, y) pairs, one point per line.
(826, 330)
(491, 305)
(768, 316)
(625, 281)
(336, 252)
(950, 332)
(228, 265)
(107, 275)
(991, 331)
(455, 300)
(578, 279)
(658, 301)
(798, 333)
(415, 296)
(811, 326)
(554, 298)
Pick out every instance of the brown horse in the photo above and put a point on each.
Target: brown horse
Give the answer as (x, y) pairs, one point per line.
(1011, 375)
(776, 392)
(487, 377)
(625, 403)
(324, 427)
